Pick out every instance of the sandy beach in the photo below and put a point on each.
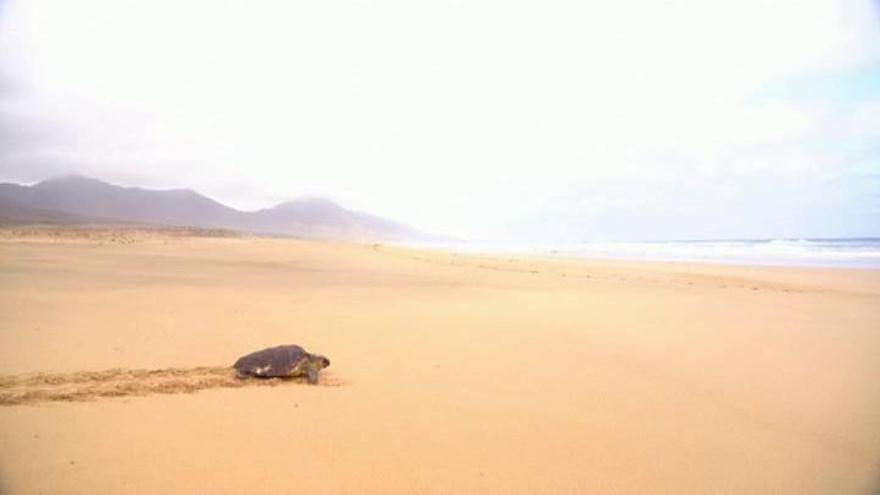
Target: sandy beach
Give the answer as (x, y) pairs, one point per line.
(450, 373)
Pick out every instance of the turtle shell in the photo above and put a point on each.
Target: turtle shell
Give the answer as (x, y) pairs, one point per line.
(284, 360)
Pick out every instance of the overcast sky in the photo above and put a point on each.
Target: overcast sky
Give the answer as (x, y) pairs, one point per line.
(489, 119)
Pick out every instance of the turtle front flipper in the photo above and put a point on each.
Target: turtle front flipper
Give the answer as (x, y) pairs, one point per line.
(312, 374)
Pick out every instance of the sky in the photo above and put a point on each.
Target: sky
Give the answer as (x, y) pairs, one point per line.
(542, 120)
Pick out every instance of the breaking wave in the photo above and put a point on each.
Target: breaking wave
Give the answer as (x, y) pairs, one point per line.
(857, 253)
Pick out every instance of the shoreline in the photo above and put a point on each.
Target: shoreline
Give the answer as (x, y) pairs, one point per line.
(563, 251)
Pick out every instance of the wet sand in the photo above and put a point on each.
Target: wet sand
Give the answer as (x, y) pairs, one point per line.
(450, 374)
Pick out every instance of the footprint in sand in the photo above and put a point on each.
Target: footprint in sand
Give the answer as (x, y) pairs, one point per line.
(93, 385)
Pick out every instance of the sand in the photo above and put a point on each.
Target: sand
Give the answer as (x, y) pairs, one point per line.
(450, 374)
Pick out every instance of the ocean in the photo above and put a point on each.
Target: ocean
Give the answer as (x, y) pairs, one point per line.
(845, 253)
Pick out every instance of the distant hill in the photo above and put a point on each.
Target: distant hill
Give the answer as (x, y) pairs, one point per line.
(76, 199)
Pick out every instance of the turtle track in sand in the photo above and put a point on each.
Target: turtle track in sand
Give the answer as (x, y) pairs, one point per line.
(81, 386)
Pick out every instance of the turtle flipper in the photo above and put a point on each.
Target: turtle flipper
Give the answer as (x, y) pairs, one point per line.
(313, 375)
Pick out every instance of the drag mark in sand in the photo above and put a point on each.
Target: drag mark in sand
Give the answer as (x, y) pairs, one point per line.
(93, 385)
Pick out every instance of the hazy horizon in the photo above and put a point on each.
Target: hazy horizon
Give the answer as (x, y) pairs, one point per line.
(477, 244)
(553, 121)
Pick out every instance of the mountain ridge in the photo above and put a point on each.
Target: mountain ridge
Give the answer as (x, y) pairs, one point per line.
(77, 198)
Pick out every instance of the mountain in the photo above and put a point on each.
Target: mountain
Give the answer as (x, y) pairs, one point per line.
(77, 199)
(93, 199)
(318, 217)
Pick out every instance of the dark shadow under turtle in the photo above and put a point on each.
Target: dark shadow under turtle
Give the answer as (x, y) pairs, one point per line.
(281, 361)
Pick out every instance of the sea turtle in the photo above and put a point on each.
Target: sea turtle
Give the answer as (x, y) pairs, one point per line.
(281, 361)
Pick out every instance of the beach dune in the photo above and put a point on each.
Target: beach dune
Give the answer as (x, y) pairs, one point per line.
(450, 373)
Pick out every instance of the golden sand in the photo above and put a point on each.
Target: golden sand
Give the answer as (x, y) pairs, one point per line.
(450, 374)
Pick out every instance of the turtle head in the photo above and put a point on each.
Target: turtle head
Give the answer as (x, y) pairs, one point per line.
(318, 361)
